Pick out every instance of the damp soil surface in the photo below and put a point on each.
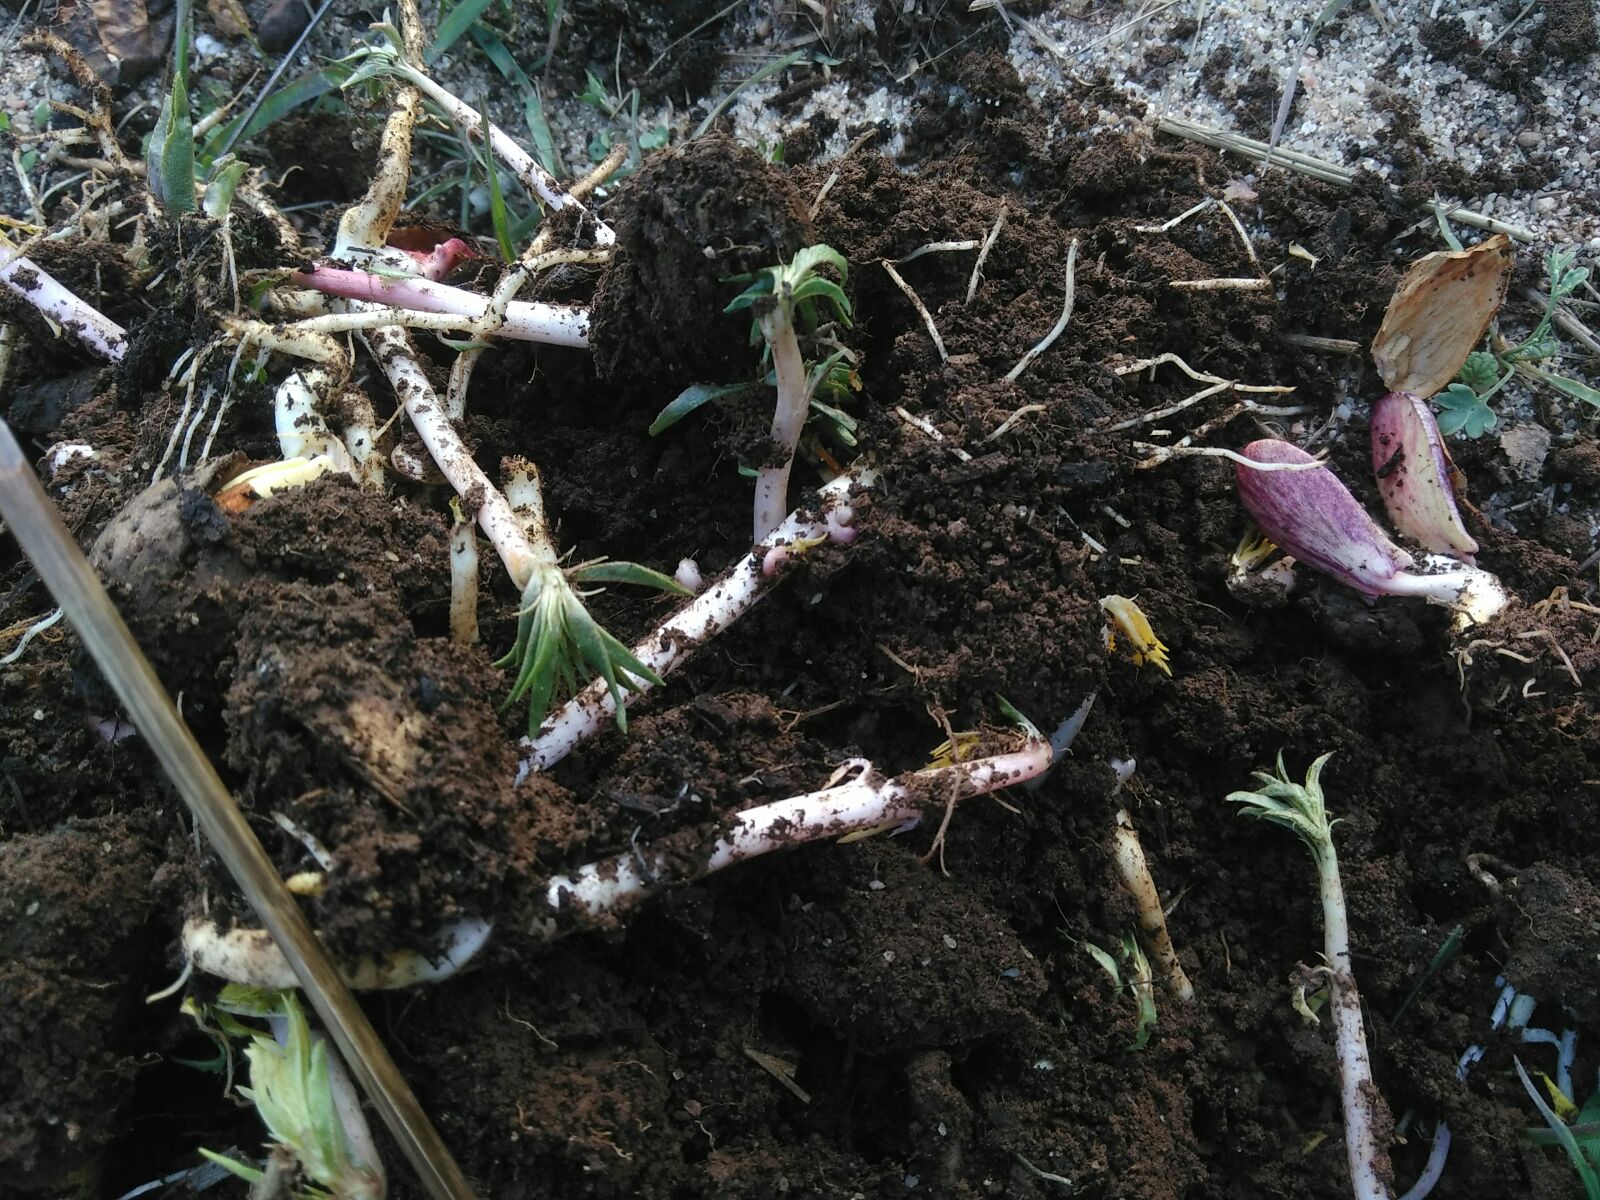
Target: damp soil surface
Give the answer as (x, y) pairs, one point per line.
(888, 1017)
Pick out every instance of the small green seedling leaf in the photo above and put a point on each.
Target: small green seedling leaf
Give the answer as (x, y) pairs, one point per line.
(226, 173)
(691, 399)
(170, 165)
(1462, 410)
(1568, 386)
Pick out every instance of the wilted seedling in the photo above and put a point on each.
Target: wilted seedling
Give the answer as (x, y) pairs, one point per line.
(1124, 616)
(780, 297)
(1130, 955)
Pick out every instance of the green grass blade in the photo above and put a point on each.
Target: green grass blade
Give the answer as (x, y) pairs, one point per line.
(627, 572)
(1563, 1136)
(766, 72)
(497, 198)
(455, 23)
(693, 397)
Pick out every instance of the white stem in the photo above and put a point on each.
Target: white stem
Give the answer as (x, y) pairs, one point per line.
(788, 418)
(534, 177)
(599, 892)
(463, 584)
(251, 957)
(1369, 1161)
(362, 1147)
(440, 308)
(368, 222)
(1475, 595)
(526, 497)
(30, 281)
(297, 416)
(707, 615)
(1133, 871)
(393, 350)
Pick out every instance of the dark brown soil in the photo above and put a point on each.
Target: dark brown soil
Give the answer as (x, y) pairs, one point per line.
(948, 1033)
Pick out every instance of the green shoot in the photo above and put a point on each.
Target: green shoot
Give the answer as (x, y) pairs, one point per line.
(497, 199)
(170, 161)
(1442, 958)
(1584, 1155)
(780, 298)
(292, 1086)
(1298, 808)
(560, 646)
(1141, 982)
(1464, 405)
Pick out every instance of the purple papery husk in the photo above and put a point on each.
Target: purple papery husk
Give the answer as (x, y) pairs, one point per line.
(1311, 515)
(1413, 471)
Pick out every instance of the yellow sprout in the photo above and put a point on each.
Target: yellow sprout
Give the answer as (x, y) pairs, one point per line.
(1126, 616)
(1254, 549)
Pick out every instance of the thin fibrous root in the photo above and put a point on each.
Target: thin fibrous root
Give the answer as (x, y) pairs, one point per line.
(707, 615)
(599, 893)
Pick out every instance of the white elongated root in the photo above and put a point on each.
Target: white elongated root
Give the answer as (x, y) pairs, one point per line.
(598, 893)
(494, 514)
(60, 305)
(1133, 872)
(707, 615)
(251, 957)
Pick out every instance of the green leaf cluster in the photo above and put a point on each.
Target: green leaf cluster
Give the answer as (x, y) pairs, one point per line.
(1295, 806)
(798, 286)
(1463, 407)
(560, 645)
(291, 1087)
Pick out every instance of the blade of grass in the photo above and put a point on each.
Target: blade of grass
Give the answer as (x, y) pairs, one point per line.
(766, 72)
(544, 144)
(497, 198)
(455, 23)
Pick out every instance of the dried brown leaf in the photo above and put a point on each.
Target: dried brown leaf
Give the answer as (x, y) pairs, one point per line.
(230, 16)
(1439, 313)
(123, 27)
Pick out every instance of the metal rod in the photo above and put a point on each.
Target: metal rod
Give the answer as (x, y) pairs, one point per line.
(39, 530)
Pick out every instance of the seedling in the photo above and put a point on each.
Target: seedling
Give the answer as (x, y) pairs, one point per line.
(1130, 956)
(1300, 809)
(779, 297)
(1464, 405)
(305, 1099)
